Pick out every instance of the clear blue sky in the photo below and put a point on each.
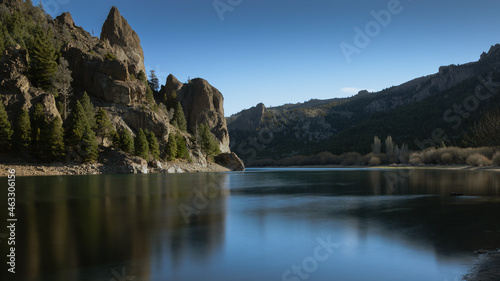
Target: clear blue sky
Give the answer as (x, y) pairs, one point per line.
(278, 52)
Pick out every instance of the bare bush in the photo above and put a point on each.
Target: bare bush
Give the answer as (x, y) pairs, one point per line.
(416, 159)
(374, 161)
(350, 159)
(496, 159)
(478, 160)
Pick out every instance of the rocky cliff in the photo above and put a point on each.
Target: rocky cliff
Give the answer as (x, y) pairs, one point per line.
(203, 104)
(109, 69)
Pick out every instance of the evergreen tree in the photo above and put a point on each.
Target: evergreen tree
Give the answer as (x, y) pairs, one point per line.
(180, 118)
(38, 123)
(154, 82)
(52, 141)
(77, 126)
(5, 129)
(22, 132)
(104, 126)
(43, 65)
(209, 145)
(171, 102)
(154, 147)
(182, 151)
(88, 146)
(142, 76)
(141, 145)
(126, 141)
(171, 147)
(88, 108)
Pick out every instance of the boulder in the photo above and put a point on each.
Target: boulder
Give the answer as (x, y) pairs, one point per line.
(230, 161)
(124, 41)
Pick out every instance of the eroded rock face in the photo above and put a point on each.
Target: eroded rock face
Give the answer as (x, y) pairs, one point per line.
(248, 120)
(124, 41)
(202, 104)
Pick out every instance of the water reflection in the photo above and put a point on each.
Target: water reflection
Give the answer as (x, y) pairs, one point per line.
(254, 225)
(111, 222)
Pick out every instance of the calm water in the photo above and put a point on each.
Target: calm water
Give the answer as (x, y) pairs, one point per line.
(263, 224)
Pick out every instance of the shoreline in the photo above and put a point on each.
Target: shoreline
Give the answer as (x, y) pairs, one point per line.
(387, 167)
(60, 169)
(485, 268)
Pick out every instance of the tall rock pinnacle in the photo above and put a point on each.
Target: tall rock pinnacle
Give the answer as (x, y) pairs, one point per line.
(124, 40)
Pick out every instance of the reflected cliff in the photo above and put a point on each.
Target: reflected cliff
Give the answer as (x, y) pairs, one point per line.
(118, 221)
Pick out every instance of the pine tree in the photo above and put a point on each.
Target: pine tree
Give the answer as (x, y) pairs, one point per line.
(126, 141)
(77, 126)
(180, 118)
(88, 146)
(88, 108)
(5, 129)
(154, 147)
(154, 82)
(104, 127)
(141, 145)
(209, 145)
(38, 122)
(52, 143)
(182, 151)
(171, 147)
(22, 132)
(171, 101)
(43, 65)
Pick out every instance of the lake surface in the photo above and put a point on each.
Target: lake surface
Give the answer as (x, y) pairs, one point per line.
(262, 224)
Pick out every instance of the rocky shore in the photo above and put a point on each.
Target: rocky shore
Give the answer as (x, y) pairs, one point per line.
(487, 267)
(30, 169)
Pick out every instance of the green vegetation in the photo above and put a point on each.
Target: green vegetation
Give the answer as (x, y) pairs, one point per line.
(179, 119)
(110, 56)
(141, 145)
(126, 141)
(88, 108)
(154, 147)
(171, 147)
(77, 126)
(104, 127)
(5, 129)
(22, 132)
(154, 82)
(182, 150)
(208, 142)
(43, 65)
(52, 141)
(88, 146)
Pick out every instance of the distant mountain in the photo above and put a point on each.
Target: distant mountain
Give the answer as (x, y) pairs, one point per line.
(422, 112)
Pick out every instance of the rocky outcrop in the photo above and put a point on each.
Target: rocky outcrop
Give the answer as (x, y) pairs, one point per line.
(247, 120)
(230, 161)
(124, 41)
(203, 104)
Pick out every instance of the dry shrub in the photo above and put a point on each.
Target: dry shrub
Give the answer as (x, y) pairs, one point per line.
(350, 159)
(415, 159)
(478, 160)
(447, 158)
(429, 156)
(327, 158)
(374, 161)
(496, 159)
